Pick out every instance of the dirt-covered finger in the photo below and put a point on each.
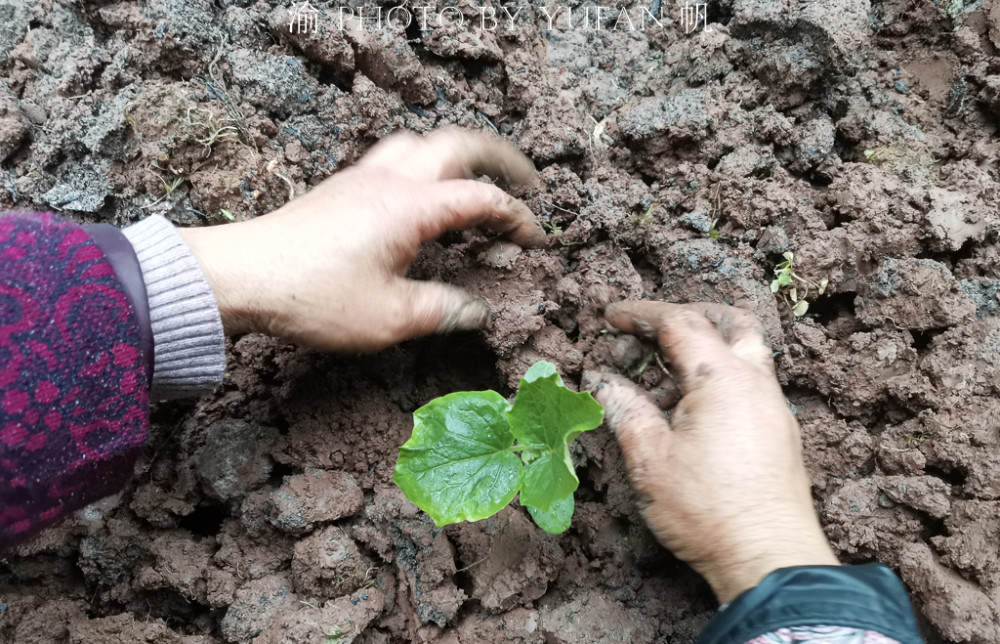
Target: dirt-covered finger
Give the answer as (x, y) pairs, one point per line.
(741, 329)
(436, 307)
(689, 340)
(398, 153)
(453, 153)
(640, 426)
(463, 203)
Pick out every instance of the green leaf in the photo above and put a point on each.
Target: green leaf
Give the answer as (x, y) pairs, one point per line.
(784, 279)
(462, 463)
(549, 478)
(800, 308)
(545, 417)
(541, 369)
(458, 465)
(558, 519)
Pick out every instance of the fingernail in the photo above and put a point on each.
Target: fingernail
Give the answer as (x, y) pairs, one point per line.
(591, 381)
(601, 392)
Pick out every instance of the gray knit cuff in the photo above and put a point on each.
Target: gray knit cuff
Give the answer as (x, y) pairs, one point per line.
(189, 347)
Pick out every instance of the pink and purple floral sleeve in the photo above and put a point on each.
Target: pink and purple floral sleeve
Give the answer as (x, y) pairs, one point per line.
(73, 382)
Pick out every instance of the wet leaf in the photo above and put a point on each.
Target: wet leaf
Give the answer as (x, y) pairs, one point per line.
(800, 308)
(822, 285)
(541, 369)
(775, 286)
(793, 294)
(545, 417)
(458, 464)
(462, 463)
(558, 519)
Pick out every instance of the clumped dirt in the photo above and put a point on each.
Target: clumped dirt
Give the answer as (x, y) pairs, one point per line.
(859, 134)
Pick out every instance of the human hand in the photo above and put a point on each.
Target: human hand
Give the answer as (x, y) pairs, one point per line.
(722, 484)
(328, 269)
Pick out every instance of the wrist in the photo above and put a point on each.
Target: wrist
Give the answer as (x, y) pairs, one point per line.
(733, 574)
(221, 251)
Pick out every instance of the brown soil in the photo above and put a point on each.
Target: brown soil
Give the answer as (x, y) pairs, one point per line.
(860, 134)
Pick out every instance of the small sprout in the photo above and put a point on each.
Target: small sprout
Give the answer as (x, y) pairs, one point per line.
(552, 228)
(713, 232)
(228, 214)
(335, 636)
(785, 276)
(174, 184)
(641, 368)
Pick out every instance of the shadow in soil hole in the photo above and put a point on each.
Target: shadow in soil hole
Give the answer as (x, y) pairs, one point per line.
(827, 308)
(460, 361)
(206, 520)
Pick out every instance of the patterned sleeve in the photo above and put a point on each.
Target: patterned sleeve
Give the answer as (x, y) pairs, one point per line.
(73, 395)
(819, 605)
(822, 635)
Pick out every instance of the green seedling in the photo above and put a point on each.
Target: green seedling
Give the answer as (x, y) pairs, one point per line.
(173, 184)
(228, 214)
(168, 186)
(335, 636)
(552, 228)
(713, 232)
(472, 452)
(789, 284)
(643, 365)
(645, 219)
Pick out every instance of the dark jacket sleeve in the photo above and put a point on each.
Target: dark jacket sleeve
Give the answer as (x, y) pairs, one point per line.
(869, 598)
(73, 376)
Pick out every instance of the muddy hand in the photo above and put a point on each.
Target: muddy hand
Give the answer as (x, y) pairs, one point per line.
(723, 484)
(328, 269)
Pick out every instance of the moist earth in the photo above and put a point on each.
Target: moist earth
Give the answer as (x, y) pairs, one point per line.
(859, 135)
